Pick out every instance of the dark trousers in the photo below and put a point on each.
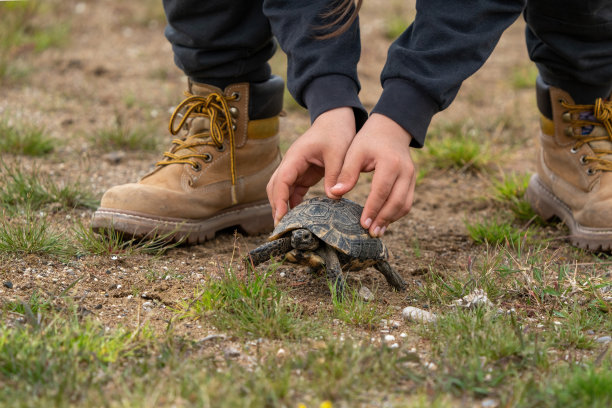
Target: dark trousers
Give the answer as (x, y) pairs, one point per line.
(221, 42)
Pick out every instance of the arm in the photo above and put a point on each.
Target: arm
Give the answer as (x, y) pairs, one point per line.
(448, 41)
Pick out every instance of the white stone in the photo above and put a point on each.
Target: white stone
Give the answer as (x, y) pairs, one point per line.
(415, 314)
(477, 298)
(366, 294)
(389, 338)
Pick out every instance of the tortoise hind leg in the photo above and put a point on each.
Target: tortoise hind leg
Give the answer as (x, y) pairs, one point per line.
(264, 252)
(334, 269)
(392, 277)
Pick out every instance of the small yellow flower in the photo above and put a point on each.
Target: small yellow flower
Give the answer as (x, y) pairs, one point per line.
(326, 404)
(301, 406)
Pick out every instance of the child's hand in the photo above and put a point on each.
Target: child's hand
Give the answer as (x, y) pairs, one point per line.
(381, 146)
(318, 152)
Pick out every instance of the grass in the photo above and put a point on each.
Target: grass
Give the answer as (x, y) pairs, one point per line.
(121, 136)
(32, 235)
(24, 139)
(24, 29)
(250, 304)
(524, 77)
(495, 232)
(30, 189)
(351, 308)
(112, 242)
(459, 146)
(509, 191)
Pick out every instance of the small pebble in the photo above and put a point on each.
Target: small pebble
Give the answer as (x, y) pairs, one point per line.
(8, 284)
(281, 353)
(603, 339)
(389, 338)
(366, 294)
(231, 352)
(394, 345)
(489, 403)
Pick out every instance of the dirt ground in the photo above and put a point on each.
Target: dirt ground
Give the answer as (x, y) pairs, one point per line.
(117, 63)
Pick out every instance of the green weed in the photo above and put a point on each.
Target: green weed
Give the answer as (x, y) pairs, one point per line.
(29, 189)
(510, 192)
(247, 303)
(457, 146)
(25, 139)
(32, 235)
(112, 242)
(351, 308)
(495, 232)
(481, 351)
(121, 136)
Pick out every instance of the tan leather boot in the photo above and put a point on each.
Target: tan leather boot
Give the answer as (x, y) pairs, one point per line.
(215, 174)
(574, 173)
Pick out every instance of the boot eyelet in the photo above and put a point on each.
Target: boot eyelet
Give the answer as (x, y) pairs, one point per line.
(234, 111)
(233, 126)
(207, 157)
(569, 131)
(236, 96)
(197, 166)
(573, 150)
(590, 171)
(583, 159)
(567, 117)
(220, 148)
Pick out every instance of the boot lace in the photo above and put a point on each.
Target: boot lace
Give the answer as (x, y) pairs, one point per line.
(601, 116)
(215, 107)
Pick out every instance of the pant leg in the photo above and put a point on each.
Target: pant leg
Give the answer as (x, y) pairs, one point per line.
(571, 43)
(220, 42)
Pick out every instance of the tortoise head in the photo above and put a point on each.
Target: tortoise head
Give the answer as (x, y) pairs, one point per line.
(304, 240)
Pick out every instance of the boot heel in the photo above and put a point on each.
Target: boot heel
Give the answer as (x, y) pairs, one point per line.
(258, 225)
(540, 199)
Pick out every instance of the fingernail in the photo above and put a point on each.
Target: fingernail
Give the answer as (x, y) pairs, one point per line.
(382, 231)
(377, 231)
(368, 222)
(337, 186)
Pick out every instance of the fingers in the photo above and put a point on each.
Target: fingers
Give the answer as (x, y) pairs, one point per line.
(391, 197)
(354, 163)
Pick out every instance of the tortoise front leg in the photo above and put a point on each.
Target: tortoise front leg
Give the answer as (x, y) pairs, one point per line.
(333, 268)
(392, 277)
(264, 252)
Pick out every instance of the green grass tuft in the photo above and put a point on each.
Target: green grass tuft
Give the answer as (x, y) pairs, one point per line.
(32, 235)
(351, 308)
(495, 232)
(23, 189)
(456, 146)
(25, 139)
(121, 136)
(248, 303)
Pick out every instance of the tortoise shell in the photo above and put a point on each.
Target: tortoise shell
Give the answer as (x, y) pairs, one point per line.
(335, 222)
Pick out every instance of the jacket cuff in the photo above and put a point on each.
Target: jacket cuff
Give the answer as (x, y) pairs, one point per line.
(409, 107)
(334, 91)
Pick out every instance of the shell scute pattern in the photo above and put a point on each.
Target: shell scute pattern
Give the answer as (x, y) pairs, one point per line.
(336, 222)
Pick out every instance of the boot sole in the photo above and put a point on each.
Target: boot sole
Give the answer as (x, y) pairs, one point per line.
(252, 218)
(547, 205)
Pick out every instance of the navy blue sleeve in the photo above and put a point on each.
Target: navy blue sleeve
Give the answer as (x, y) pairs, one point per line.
(447, 42)
(321, 74)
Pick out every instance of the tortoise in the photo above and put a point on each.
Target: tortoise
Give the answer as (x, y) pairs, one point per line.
(325, 233)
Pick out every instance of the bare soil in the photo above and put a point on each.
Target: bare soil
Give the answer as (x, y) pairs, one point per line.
(117, 63)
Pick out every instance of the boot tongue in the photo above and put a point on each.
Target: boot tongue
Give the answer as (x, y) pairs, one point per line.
(597, 131)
